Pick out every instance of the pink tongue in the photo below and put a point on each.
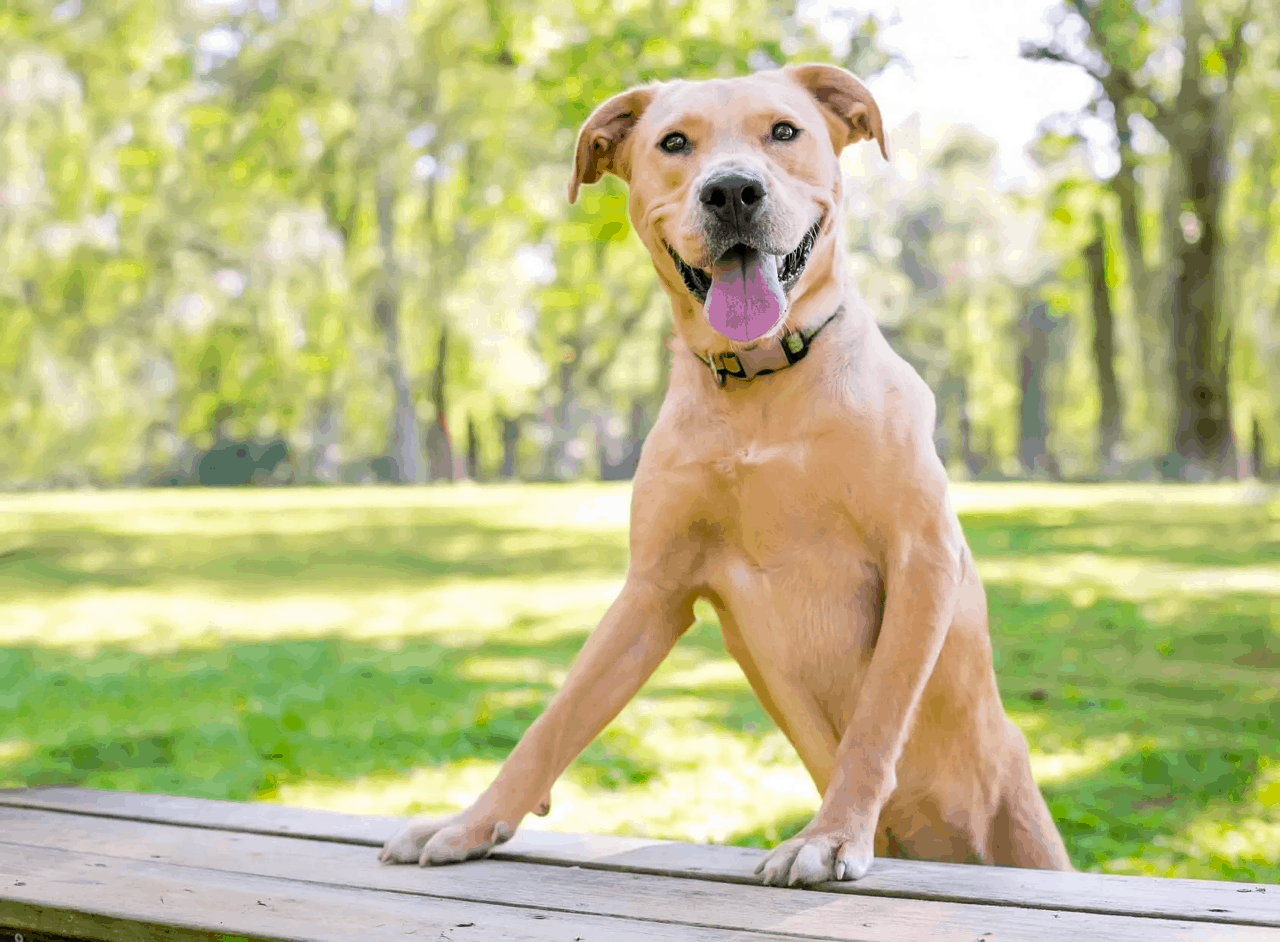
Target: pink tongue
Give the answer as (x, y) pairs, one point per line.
(745, 300)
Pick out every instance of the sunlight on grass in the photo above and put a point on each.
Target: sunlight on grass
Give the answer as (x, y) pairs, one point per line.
(15, 749)
(158, 620)
(1046, 498)
(309, 510)
(528, 670)
(430, 791)
(705, 785)
(722, 673)
(1062, 766)
(1086, 577)
(381, 650)
(1240, 839)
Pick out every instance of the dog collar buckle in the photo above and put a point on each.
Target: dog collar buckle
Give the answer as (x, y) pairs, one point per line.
(754, 361)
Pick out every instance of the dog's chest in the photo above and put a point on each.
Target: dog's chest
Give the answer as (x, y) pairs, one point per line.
(801, 606)
(784, 539)
(772, 500)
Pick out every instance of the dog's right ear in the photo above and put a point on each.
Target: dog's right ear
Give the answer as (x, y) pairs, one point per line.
(602, 140)
(846, 100)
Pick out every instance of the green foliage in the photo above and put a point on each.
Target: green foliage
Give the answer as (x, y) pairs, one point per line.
(206, 184)
(173, 172)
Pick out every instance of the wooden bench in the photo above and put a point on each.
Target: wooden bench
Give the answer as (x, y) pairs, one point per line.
(80, 864)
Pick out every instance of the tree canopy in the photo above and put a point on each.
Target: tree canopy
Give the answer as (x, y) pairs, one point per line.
(342, 225)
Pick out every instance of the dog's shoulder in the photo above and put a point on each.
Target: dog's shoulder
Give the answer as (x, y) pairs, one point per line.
(871, 378)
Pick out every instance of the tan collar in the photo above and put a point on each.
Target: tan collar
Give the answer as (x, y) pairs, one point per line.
(766, 357)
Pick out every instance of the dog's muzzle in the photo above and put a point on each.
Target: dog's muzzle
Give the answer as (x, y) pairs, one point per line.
(790, 266)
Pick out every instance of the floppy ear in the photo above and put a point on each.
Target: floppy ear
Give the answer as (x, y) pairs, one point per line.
(842, 95)
(601, 140)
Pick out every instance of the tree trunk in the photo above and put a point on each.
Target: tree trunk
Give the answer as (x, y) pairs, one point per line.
(510, 445)
(439, 446)
(637, 431)
(942, 434)
(326, 465)
(1109, 418)
(1201, 434)
(1257, 463)
(404, 445)
(666, 340)
(1149, 284)
(973, 462)
(1202, 443)
(556, 461)
(473, 450)
(1033, 451)
(947, 440)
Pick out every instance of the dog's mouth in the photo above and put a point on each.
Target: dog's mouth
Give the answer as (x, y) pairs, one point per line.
(789, 267)
(744, 295)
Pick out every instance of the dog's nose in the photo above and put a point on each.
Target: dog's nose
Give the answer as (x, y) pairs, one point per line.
(734, 197)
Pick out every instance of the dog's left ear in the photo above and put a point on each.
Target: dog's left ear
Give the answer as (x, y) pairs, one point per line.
(601, 141)
(847, 99)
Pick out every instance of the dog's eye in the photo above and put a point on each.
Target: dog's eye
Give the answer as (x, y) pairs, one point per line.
(674, 143)
(782, 131)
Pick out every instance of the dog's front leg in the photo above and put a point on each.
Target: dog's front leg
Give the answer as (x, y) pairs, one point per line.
(636, 633)
(922, 581)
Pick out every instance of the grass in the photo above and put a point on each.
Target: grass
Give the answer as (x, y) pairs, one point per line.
(382, 649)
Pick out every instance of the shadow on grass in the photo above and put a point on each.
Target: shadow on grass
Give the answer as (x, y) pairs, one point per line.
(55, 560)
(1137, 804)
(1196, 535)
(239, 721)
(44, 567)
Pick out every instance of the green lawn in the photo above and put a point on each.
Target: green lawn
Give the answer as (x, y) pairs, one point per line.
(381, 650)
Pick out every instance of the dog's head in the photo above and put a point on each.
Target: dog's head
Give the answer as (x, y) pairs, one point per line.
(734, 184)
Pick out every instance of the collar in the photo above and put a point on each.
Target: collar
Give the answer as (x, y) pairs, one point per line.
(763, 359)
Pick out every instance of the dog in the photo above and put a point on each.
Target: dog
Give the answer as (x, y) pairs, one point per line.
(791, 479)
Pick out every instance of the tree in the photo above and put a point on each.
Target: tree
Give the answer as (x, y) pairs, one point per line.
(1110, 429)
(1187, 285)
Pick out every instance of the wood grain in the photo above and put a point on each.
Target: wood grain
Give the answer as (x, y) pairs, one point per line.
(1197, 900)
(674, 905)
(92, 896)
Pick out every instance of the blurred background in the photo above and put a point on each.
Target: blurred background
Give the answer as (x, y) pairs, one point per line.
(327, 242)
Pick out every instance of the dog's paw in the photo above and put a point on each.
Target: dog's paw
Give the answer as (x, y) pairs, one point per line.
(430, 843)
(459, 842)
(818, 856)
(406, 847)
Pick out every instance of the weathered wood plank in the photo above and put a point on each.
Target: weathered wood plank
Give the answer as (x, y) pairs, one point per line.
(627, 896)
(253, 818)
(114, 899)
(1209, 900)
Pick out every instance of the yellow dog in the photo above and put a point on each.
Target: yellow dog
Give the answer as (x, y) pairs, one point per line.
(791, 479)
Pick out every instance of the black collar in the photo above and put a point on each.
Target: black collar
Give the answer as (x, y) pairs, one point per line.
(763, 359)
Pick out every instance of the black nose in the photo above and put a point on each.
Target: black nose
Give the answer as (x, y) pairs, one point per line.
(733, 197)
